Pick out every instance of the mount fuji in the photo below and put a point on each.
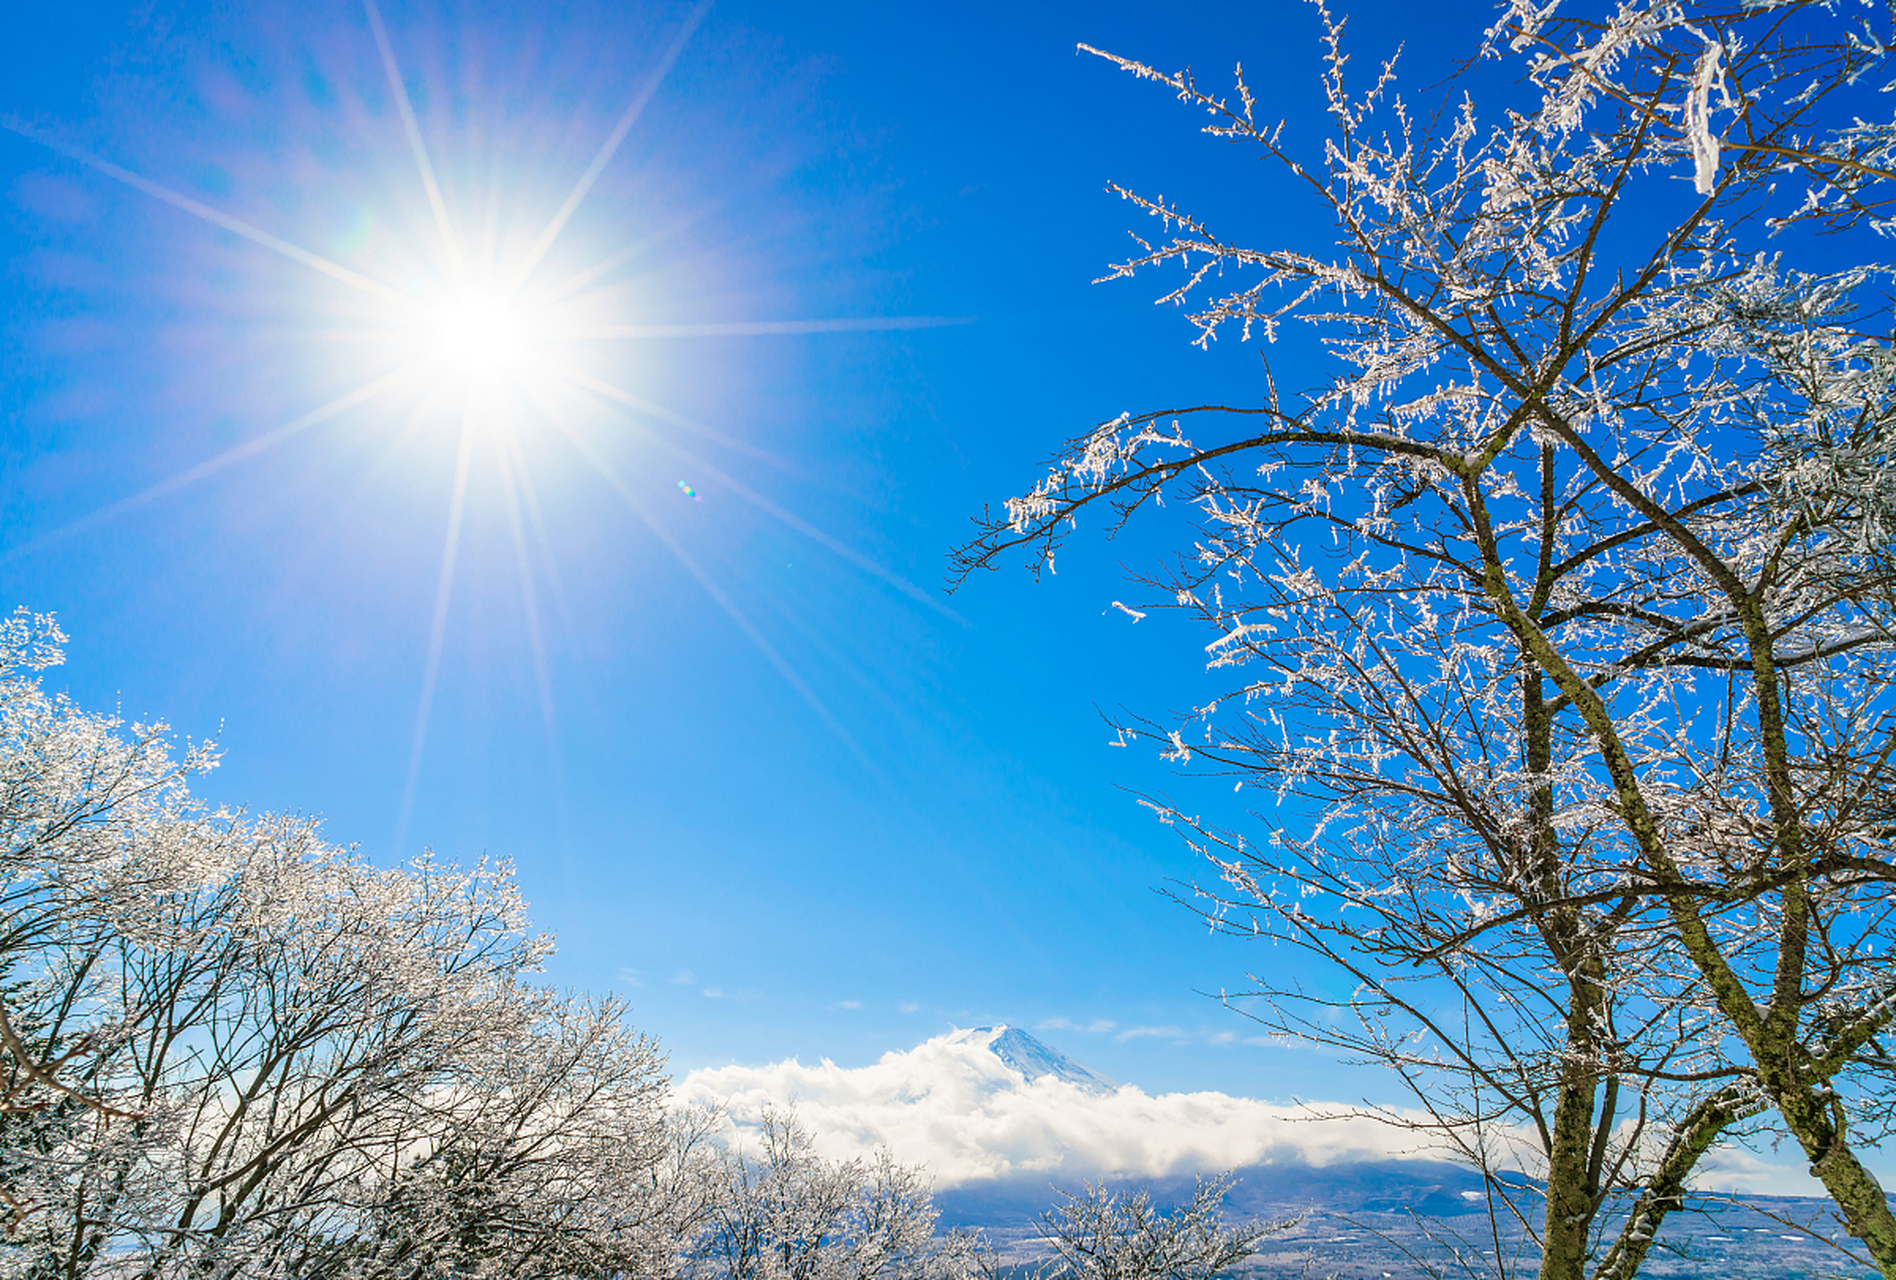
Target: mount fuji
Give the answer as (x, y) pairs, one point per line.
(1033, 1059)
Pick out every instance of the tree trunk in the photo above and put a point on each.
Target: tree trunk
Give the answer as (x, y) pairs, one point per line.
(1866, 1212)
(1570, 1200)
(1665, 1190)
(1571, 1197)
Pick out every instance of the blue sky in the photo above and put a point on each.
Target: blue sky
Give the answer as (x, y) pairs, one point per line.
(784, 803)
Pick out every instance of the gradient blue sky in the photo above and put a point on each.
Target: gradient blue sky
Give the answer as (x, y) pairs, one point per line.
(955, 843)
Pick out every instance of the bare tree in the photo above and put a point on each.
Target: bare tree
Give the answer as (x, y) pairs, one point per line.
(785, 1213)
(1565, 600)
(1101, 1234)
(545, 1160)
(340, 1069)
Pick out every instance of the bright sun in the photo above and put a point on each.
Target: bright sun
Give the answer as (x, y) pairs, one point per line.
(479, 335)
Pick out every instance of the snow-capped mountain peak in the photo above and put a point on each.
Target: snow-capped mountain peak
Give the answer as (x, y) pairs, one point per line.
(1033, 1059)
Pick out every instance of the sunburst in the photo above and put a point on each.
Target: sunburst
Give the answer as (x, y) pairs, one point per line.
(486, 345)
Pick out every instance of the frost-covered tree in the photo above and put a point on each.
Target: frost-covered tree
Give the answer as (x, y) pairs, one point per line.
(1563, 601)
(236, 1050)
(783, 1212)
(1102, 1234)
(544, 1159)
(95, 822)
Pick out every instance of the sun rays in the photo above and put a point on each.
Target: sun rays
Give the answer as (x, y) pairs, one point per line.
(480, 346)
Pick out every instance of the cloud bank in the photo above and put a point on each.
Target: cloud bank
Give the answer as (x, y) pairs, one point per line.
(967, 1115)
(952, 1105)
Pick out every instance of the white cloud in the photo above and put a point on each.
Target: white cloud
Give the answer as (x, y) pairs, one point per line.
(682, 978)
(964, 1113)
(713, 993)
(630, 977)
(852, 1004)
(1735, 1169)
(1097, 1026)
(1263, 1042)
(1134, 1033)
(909, 1006)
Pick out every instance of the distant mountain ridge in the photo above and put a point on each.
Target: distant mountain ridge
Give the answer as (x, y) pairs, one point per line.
(1260, 1191)
(1034, 1059)
(1364, 1219)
